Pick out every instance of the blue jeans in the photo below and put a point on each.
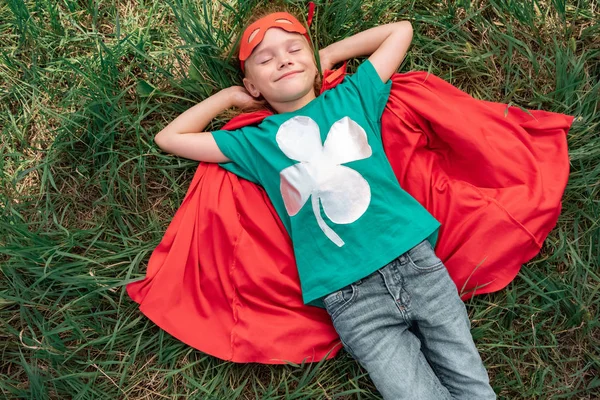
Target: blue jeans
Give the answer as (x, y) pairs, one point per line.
(408, 328)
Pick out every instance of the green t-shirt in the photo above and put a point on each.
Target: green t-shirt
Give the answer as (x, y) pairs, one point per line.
(324, 168)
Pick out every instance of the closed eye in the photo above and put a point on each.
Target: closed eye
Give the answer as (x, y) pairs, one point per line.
(265, 61)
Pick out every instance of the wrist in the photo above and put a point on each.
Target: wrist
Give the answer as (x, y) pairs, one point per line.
(327, 55)
(226, 97)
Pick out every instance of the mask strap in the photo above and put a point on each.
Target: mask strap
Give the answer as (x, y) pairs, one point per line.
(311, 13)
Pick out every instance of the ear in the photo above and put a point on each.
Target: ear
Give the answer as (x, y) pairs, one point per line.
(251, 88)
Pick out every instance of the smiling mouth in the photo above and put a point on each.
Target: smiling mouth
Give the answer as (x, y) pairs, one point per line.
(289, 74)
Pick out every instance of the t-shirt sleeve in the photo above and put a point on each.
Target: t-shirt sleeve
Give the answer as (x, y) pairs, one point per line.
(236, 145)
(373, 92)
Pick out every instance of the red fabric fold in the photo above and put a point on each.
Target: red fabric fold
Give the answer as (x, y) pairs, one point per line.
(223, 279)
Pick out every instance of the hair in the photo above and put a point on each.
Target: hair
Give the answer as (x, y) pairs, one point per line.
(258, 13)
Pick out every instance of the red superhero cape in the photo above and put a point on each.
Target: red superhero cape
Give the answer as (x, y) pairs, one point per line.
(224, 280)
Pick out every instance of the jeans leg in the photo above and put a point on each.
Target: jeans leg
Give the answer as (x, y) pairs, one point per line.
(442, 323)
(374, 331)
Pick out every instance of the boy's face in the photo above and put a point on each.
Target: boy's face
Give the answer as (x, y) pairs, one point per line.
(282, 67)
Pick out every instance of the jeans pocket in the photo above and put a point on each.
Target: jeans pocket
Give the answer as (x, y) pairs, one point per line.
(338, 301)
(422, 257)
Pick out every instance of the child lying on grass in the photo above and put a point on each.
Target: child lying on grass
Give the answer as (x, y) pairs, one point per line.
(363, 246)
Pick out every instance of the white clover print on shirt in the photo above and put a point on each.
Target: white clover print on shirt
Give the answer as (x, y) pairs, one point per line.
(343, 192)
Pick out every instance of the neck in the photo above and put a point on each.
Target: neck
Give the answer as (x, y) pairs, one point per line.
(293, 105)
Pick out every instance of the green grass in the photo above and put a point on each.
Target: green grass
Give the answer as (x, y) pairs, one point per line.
(86, 195)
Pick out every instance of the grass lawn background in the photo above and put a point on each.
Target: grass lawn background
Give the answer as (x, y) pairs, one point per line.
(86, 195)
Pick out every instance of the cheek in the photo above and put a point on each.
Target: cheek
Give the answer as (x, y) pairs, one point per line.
(313, 66)
(312, 62)
(260, 75)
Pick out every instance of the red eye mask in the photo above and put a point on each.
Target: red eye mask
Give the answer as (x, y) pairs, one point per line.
(255, 33)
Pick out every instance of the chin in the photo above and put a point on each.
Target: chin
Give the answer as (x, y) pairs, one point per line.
(293, 94)
(288, 99)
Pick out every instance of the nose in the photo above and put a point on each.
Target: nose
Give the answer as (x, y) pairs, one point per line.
(284, 63)
(284, 60)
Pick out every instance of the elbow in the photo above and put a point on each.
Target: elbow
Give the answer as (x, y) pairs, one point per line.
(159, 139)
(403, 28)
(406, 27)
(404, 32)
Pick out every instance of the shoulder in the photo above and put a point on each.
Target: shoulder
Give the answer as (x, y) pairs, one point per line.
(367, 74)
